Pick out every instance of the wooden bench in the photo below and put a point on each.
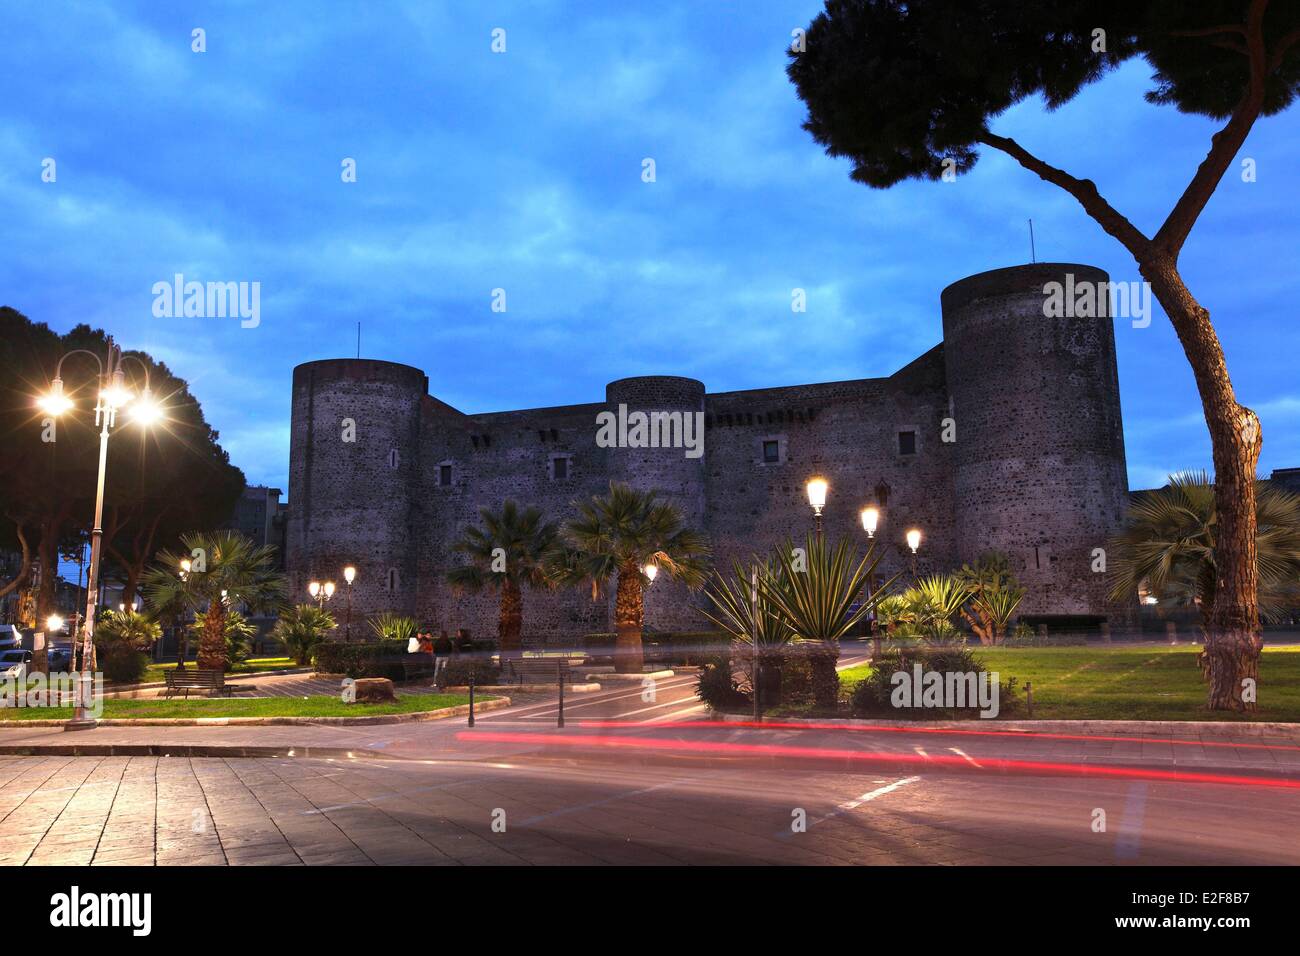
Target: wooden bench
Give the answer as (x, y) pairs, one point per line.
(417, 665)
(191, 678)
(535, 670)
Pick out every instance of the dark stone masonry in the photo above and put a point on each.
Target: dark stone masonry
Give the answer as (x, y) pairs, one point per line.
(1007, 436)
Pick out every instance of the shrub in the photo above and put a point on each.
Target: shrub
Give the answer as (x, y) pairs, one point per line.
(873, 696)
(359, 660)
(122, 663)
(717, 687)
(459, 669)
(301, 628)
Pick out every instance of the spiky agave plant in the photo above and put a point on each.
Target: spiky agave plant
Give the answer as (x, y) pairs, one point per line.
(814, 593)
(741, 609)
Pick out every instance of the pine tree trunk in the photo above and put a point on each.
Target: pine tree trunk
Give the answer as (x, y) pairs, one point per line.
(629, 616)
(212, 645)
(1232, 629)
(510, 621)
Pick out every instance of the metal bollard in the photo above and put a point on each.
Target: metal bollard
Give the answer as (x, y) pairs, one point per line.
(559, 676)
(1105, 631)
(1029, 698)
(1171, 629)
(471, 698)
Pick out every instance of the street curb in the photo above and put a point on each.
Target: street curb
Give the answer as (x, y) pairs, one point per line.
(635, 678)
(1173, 728)
(460, 710)
(524, 688)
(181, 750)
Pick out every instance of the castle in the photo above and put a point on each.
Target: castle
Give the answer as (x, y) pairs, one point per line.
(1006, 436)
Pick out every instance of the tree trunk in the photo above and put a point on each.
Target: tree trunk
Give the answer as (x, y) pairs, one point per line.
(822, 658)
(1232, 630)
(212, 645)
(511, 619)
(629, 616)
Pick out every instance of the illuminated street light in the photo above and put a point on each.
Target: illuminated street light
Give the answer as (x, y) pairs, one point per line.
(53, 624)
(870, 518)
(914, 539)
(817, 498)
(650, 571)
(349, 575)
(113, 394)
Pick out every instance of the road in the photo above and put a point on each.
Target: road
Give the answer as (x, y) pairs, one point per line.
(650, 781)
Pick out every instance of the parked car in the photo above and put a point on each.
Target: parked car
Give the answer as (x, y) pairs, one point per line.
(11, 639)
(60, 656)
(14, 664)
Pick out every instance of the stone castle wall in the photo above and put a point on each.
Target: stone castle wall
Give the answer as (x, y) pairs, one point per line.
(1037, 468)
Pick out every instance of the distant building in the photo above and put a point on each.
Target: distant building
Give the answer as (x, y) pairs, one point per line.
(260, 516)
(1288, 478)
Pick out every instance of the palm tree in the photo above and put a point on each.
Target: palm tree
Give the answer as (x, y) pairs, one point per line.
(136, 631)
(814, 592)
(509, 551)
(220, 569)
(1168, 545)
(301, 627)
(995, 595)
(618, 535)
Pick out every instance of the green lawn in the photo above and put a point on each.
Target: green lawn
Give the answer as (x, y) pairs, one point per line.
(1135, 683)
(254, 707)
(254, 665)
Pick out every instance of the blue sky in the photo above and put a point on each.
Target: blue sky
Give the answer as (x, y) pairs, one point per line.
(522, 171)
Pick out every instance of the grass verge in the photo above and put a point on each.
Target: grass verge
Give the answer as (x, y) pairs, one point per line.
(1118, 683)
(254, 707)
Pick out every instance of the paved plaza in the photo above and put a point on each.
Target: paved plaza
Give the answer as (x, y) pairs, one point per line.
(630, 781)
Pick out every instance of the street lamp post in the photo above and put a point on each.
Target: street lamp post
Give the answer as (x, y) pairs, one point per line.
(817, 498)
(321, 592)
(870, 520)
(914, 542)
(349, 575)
(113, 394)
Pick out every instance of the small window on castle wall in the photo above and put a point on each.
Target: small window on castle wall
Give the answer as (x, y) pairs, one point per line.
(771, 452)
(393, 579)
(559, 468)
(444, 476)
(392, 458)
(907, 443)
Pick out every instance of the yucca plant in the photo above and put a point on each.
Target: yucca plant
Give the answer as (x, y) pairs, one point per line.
(618, 535)
(813, 591)
(510, 550)
(393, 627)
(751, 620)
(934, 602)
(301, 628)
(995, 595)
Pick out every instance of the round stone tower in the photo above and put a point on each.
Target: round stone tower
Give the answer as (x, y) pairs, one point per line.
(1039, 469)
(353, 474)
(668, 465)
